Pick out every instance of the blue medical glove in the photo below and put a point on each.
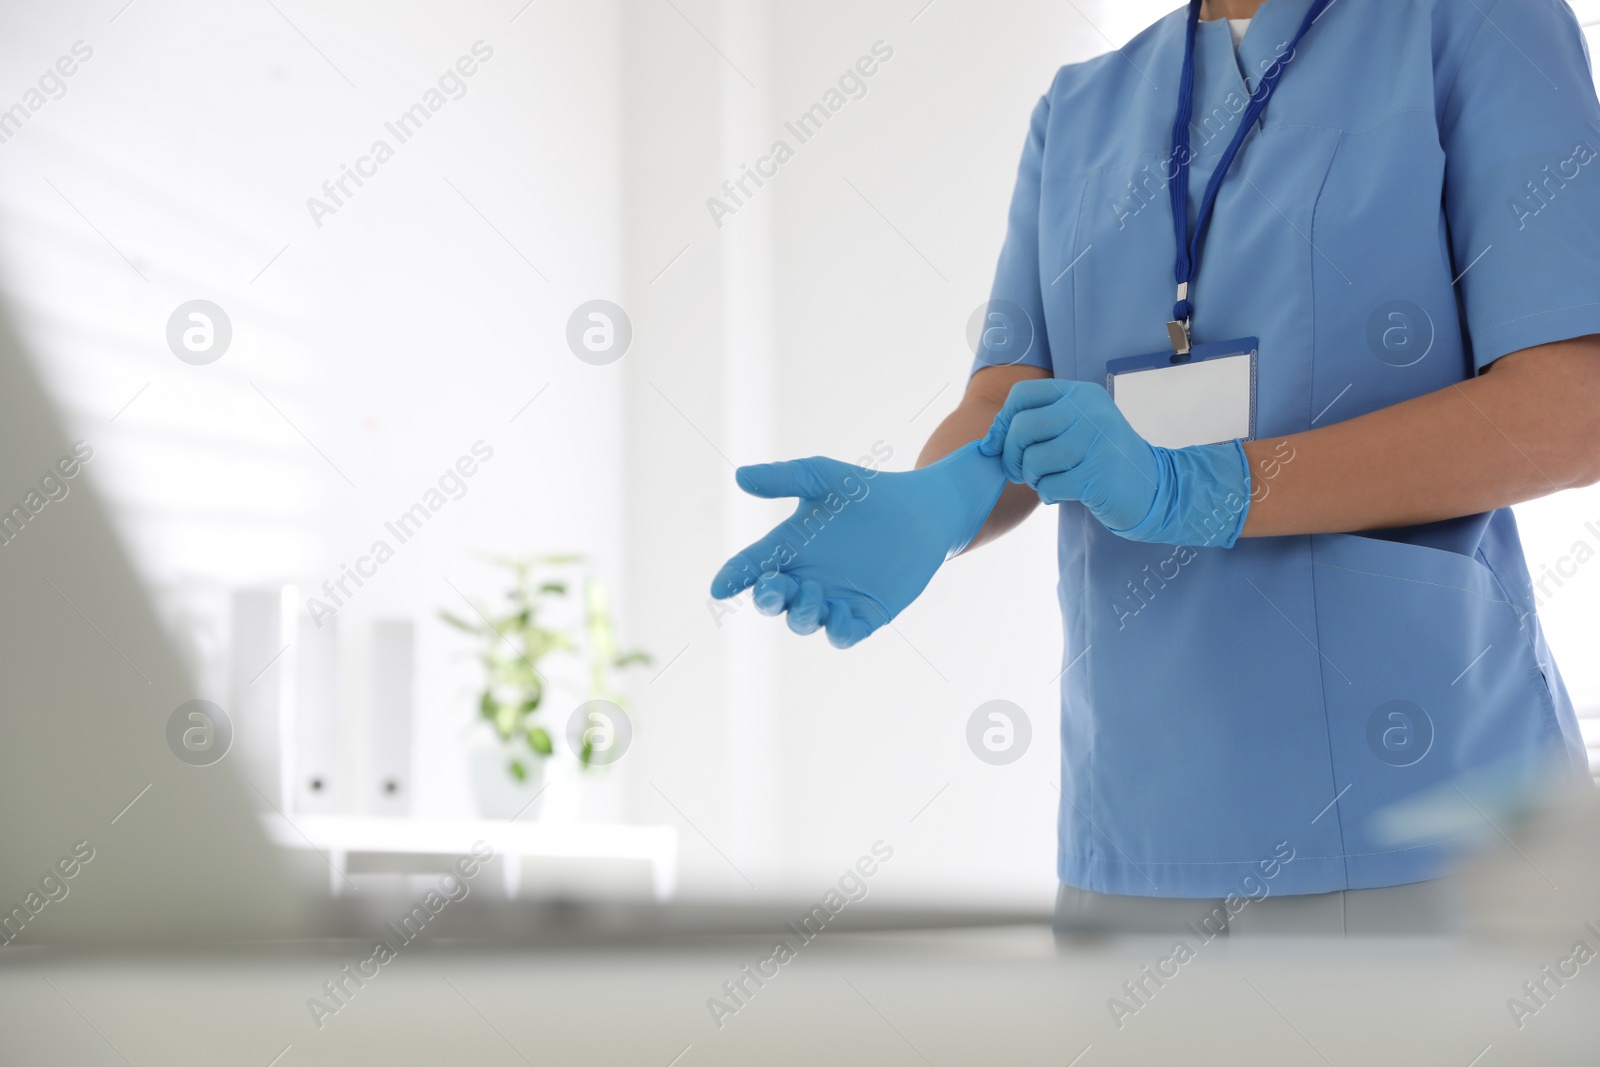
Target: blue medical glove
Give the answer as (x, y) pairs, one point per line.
(863, 544)
(1068, 441)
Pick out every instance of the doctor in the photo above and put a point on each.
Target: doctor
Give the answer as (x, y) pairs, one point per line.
(1297, 298)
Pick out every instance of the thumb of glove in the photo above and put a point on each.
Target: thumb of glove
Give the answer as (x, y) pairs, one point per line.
(795, 477)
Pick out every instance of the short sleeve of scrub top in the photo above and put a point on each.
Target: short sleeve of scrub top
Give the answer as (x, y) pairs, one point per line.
(1520, 129)
(1420, 198)
(1017, 280)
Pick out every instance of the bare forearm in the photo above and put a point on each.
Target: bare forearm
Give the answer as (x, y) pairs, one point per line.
(1528, 427)
(969, 422)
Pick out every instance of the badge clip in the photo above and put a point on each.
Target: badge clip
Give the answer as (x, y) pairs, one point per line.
(1179, 332)
(1182, 343)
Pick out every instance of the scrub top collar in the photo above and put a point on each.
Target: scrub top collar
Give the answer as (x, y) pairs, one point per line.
(1272, 28)
(1221, 72)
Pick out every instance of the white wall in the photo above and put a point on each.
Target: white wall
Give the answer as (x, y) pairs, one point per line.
(394, 336)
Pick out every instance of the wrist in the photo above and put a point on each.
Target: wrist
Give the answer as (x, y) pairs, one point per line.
(974, 481)
(1202, 497)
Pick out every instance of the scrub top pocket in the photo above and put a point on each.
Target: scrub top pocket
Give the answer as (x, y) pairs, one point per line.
(1429, 678)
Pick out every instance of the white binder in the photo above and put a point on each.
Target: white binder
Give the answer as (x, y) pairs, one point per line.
(314, 774)
(257, 675)
(388, 789)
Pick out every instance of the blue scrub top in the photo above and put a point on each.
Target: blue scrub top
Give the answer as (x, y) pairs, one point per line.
(1218, 701)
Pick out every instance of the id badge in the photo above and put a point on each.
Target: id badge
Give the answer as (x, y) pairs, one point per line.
(1203, 398)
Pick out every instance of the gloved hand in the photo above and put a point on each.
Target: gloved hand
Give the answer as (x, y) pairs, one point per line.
(1068, 441)
(863, 544)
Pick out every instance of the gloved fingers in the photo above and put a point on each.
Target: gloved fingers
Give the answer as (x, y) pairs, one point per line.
(1086, 464)
(794, 477)
(1062, 486)
(1108, 442)
(1063, 452)
(767, 556)
(1107, 481)
(1034, 427)
(1115, 456)
(1024, 396)
(807, 610)
(846, 627)
(773, 593)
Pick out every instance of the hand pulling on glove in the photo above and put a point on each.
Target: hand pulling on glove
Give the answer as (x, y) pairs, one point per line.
(1068, 441)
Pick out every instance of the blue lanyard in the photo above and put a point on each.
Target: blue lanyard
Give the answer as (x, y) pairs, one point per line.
(1182, 156)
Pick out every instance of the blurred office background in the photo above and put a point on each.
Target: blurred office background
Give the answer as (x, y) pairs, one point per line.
(374, 345)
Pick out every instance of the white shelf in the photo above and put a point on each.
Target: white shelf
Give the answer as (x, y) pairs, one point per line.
(339, 837)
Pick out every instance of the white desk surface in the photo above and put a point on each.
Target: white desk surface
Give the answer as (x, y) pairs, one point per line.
(993, 997)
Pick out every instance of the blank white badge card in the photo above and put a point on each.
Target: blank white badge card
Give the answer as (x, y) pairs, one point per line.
(1200, 402)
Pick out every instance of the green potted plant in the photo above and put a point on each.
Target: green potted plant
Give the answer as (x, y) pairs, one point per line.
(552, 635)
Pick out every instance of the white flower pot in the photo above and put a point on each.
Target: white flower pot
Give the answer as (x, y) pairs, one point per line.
(499, 795)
